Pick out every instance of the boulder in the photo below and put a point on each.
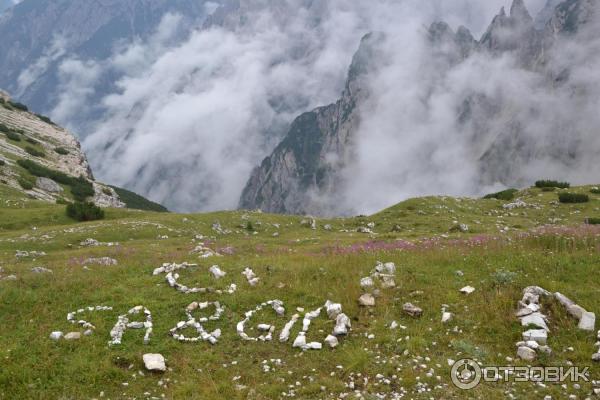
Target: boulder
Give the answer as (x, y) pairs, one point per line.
(48, 185)
(576, 311)
(154, 362)
(56, 335)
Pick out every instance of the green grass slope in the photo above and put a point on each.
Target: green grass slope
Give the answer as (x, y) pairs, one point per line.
(505, 249)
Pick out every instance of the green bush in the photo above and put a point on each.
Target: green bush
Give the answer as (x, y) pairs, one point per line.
(548, 189)
(4, 128)
(592, 221)
(595, 191)
(45, 119)
(136, 202)
(553, 184)
(2, 163)
(18, 106)
(25, 183)
(573, 198)
(61, 150)
(13, 136)
(81, 188)
(35, 152)
(32, 140)
(506, 195)
(84, 211)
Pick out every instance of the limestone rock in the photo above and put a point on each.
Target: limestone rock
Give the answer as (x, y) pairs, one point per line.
(587, 321)
(412, 310)
(154, 362)
(366, 300)
(48, 185)
(73, 336)
(526, 354)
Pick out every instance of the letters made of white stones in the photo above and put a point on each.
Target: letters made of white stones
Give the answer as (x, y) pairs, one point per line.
(529, 313)
(123, 324)
(212, 337)
(72, 318)
(172, 277)
(267, 336)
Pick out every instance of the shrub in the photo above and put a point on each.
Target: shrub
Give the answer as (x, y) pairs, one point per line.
(25, 183)
(595, 191)
(45, 119)
(107, 191)
(4, 128)
(35, 152)
(503, 278)
(553, 184)
(18, 106)
(592, 221)
(61, 150)
(84, 211)
(137, 202)
(506, 195)
(573, 198)
(2, 163)
(13, 136)
(249, 226)
(31, 140)
(548, 189)
(81, 188)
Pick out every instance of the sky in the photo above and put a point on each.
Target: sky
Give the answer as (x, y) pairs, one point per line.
(191, 118)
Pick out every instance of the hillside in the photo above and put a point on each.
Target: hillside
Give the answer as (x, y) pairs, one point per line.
(51, 267)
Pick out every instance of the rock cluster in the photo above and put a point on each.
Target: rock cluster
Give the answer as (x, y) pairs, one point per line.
(384, 273)
(587, 320)
(250, 276)
(72, 318)
(123, 324)
(204, 252)
(105, 261)
(172, 276)
(334, 312)
(535, 338)
(203, 335)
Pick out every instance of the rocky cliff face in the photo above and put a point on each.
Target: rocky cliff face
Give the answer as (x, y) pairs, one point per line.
(306, 173)
(27, 136)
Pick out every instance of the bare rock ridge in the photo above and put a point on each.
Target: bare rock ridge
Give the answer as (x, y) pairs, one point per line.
(304, 174)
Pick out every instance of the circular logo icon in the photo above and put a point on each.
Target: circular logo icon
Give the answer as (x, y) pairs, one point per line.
(466, 374)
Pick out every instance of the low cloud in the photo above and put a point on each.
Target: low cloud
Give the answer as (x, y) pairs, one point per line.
(188, 119)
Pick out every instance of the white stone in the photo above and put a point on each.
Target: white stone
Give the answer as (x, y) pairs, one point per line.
(331, 341)
(154, 362)
(217, 272)
(526, 354)
(467, 290)
(536, 319)
(73, 336)
(367, 300)
(446, 317)
(367, 283)
(56, 335)
(538, 335)
(587, 321)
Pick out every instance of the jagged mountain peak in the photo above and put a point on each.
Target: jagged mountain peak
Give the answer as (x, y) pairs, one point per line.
(519, 11)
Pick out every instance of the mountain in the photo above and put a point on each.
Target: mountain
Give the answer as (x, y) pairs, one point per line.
(39, 34)
(520, 96)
